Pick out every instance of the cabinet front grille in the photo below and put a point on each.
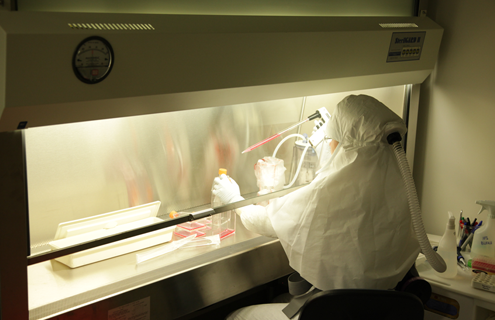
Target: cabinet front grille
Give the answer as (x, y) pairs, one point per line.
(112, 26)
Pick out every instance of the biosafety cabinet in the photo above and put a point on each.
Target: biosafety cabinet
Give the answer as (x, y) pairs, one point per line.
(105, 114)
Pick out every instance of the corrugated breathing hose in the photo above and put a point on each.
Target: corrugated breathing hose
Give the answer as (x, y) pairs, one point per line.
(435, 260)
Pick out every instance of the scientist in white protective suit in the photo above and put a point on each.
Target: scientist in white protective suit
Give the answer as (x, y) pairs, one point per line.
(351, 226)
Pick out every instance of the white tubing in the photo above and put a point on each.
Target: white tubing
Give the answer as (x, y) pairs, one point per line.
(285, 139)
(433, 258)
(300, 161)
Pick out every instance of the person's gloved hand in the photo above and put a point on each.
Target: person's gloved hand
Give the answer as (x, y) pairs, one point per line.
(226, 189)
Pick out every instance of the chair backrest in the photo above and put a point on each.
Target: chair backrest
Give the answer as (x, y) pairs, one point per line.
(350, 304)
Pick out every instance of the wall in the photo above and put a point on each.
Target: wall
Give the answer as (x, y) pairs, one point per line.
(229, 7)
(454, 162)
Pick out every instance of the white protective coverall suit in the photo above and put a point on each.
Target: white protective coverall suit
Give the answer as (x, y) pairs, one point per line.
(351, 226)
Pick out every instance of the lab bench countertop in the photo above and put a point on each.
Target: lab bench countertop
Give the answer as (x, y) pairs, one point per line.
(460, 284)
(55, 288)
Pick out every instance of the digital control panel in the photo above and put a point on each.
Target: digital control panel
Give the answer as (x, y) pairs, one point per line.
(406, 46)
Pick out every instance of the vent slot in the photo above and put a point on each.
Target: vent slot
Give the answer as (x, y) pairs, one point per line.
(112, 26)
(398, 25)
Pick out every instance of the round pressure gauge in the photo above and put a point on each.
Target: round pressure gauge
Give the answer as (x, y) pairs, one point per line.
(93, 60)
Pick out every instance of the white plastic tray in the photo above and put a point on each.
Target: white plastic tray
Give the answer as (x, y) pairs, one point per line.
(78, 231)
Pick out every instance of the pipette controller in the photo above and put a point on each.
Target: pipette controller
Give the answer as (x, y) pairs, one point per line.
(317, 114)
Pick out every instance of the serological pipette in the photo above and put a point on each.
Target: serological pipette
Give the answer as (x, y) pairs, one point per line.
(256, 145)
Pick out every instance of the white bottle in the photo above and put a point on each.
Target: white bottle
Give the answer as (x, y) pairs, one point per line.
(484, 237)
(447, 249)
(222, 223)
(215, 202)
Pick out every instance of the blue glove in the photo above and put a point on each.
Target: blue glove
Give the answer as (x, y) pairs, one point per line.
(226, 189)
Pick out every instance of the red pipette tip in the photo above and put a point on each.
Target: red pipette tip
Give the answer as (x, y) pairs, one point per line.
(254, 146)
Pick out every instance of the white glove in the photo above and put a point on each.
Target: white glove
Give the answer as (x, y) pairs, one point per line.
(226, 189)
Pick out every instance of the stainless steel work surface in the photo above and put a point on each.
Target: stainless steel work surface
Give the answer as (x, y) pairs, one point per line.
(55, 288)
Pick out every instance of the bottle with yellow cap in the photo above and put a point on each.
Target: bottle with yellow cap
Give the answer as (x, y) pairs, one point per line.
(222, 223)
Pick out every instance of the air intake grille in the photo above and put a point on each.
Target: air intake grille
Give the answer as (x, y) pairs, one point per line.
(112, 26)
(398, 25)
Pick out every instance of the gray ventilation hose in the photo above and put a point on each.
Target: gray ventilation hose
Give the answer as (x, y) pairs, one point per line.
(435, 260)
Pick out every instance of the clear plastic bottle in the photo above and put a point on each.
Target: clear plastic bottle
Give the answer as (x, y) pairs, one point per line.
(222, 223)
(484, 238)
(310, 162)
(447, 249)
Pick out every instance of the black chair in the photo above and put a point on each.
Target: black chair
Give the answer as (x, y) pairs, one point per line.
(359, 304)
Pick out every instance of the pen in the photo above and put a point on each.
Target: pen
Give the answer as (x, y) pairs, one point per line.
(468, 241)
(478, 226)
(465, 235)
(460, 258)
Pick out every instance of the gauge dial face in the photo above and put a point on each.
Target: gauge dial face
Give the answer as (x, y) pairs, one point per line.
(93, 60)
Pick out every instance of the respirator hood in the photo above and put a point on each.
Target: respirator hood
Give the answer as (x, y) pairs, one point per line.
(364, 120)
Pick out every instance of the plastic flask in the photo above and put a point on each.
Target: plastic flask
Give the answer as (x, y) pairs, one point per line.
(308, 168)
(484, 237)
(223, 223)
(447, 249)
